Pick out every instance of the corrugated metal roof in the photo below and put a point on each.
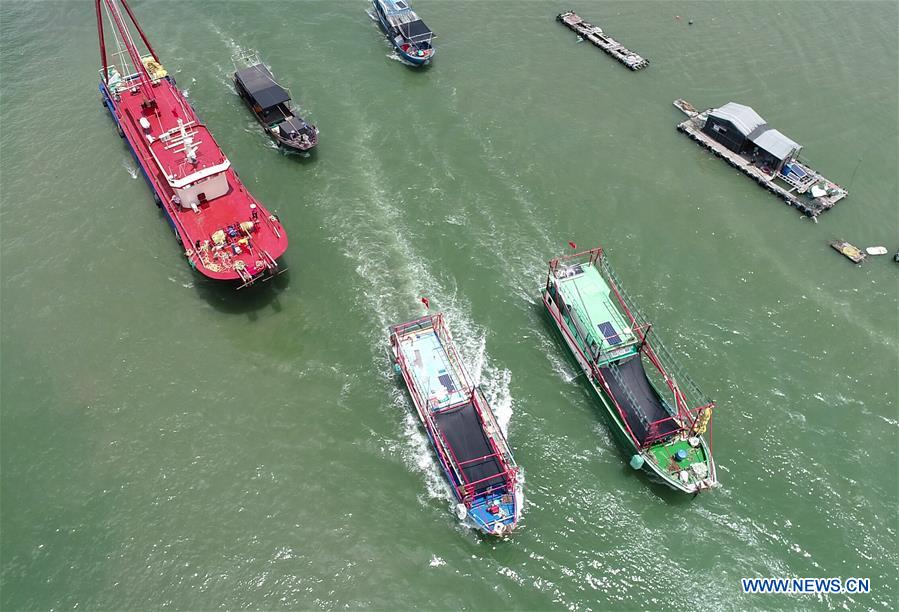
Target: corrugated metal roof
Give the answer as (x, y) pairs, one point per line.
(776, 144)
(742, 117)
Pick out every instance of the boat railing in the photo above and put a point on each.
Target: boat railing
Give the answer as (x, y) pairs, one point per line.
(425, 404)
(692, 414)
(492, 425)
(638, 321)
(468, 491)
(690, 391)
(670, 367)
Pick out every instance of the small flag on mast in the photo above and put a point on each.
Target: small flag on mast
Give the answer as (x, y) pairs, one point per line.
(572, 245)
(426, 302)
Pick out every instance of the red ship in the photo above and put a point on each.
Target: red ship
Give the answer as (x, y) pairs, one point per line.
(226, 233)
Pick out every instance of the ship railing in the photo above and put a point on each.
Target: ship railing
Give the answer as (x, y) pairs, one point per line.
(492, 425)
(638, 321)
(693, 413)
(449, 348)
(686, 391)
(688, 387)
(587, 257)
(425, 405)
(468, 491)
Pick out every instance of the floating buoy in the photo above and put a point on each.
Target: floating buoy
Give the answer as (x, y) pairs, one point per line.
(637, 462)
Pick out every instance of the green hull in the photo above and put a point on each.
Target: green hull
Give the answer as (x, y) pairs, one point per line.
(588, 300)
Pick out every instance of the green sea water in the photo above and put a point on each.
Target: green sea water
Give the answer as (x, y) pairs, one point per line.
(168, 443)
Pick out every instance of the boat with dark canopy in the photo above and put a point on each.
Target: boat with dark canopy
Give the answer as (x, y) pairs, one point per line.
(405, 30)
(269, 102)
(460, 424)
(659, 417)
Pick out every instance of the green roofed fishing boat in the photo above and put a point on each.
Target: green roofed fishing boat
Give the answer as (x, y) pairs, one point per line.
(656, 412)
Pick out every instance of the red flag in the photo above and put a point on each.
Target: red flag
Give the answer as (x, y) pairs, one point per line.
(426, 302)
(572, 245)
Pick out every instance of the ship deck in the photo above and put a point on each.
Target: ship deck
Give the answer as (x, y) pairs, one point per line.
(161, 162)
(442, 382)
(437, 378)
(645, 411)
(590, 295)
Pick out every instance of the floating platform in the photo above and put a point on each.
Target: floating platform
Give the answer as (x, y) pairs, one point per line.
(796, 184)
(600, 39)
(850, 251)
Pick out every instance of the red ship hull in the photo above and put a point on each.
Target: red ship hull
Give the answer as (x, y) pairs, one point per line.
(226, 233)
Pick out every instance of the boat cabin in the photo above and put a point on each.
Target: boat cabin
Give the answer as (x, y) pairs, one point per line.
(743, 131)
(269, 99)
(590, 311)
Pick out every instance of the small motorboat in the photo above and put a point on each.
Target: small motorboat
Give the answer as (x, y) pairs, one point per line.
(270, 104)
(876, 250)
(405, 30)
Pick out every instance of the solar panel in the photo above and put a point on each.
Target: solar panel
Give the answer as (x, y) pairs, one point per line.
(609, 332)
(447, 381)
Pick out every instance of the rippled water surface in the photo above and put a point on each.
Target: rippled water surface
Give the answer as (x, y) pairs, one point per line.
(169, 443)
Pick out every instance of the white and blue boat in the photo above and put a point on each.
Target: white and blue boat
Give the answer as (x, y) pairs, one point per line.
(405, 30)
(460, 424)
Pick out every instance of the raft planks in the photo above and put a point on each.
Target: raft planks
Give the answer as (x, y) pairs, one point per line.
(598, 38)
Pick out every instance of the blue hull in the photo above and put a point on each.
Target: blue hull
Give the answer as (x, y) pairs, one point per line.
(417, 61)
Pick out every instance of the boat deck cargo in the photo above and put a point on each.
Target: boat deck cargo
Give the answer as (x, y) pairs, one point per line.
(659, 417)
(848, 250)
(225, 232)
(739, 136)
(461, 426)
(600, 39)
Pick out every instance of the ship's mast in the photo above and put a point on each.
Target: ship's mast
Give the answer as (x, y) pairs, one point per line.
(140, 30)
(102, 40)
(128, 42)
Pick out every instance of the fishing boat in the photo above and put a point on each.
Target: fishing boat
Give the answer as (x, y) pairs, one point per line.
(270, 104)
(460, 424)
(656, 413)
(405, 30)
(226, 233)
(849, 251)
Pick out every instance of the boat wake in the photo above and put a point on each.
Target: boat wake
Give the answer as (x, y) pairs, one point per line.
(393, 276)
(396, 57)
(129, 167)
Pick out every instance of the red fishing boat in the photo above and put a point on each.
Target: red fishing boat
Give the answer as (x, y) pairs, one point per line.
(226, 233)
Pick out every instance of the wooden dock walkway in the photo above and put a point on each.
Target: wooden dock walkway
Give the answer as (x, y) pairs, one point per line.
(791, 187)
(605, 42)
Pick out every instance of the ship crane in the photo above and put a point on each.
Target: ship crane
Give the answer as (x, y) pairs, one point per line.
(127, 42)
